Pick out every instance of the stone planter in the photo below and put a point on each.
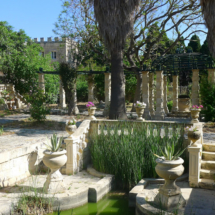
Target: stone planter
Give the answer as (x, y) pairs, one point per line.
(54, 181)
(194, 136)
(184, 104)
(70, 129)
(140, 112)
(195, 115)
(169, 193)
(91, 113)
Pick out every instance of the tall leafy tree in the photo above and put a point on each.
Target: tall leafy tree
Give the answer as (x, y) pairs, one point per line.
(205, 48)
(195, 43)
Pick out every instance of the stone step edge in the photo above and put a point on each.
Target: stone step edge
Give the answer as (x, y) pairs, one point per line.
(145, 182)
(102, 187)
(207, 184)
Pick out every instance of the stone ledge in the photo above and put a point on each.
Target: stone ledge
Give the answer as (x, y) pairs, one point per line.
(102, 187)
(144, 183)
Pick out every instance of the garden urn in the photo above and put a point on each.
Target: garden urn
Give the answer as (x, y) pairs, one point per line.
(140, 112)
(195, 115)
(194, 136)
(183, 104)
(54, 160)
(70, 129)
(169, 193)
(91, 113)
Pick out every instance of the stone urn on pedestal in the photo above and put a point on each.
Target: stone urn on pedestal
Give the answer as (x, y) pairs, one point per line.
(54, 158)
(195, 110)
(140, 110)
(193, 134)
(70, 126)
(91, 110)
(183, 103)
(169, 194)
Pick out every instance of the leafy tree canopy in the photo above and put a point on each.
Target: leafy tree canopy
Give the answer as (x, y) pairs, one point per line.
(195, 43)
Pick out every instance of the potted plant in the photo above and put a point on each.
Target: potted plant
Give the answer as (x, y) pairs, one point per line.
(193, 134)
(139, 106)
(91, 110)
(71, 126)
(169, 166)
(183, 103)
(195, 110)
(54, 158)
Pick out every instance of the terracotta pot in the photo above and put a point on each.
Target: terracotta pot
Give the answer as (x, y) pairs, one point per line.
(170, 171)
(194, 136)
(140, 111)
(70, 129)
(195, 115)
(54, 180)
(91, 113)
(184, 104)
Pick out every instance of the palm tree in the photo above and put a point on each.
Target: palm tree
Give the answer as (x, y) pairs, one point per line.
(115, 21)
(208, 7)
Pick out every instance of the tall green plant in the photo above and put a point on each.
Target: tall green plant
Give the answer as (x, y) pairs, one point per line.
(127, 150)
(207, 91)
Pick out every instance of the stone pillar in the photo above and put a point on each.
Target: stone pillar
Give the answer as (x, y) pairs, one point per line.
(145, 94)
(151, 94)
(211, 76)
(195, 87)
(90, 88)
(75, 109)
(62, 95)
(165, 94)
(42, 82)
(159, 113)
(107, 93)
(194, 165)
(175, 94)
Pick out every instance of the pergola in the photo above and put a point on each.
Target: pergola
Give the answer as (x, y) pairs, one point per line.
(170, 64)
(173, 64)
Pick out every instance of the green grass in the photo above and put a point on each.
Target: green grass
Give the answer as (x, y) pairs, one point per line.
(130, 155)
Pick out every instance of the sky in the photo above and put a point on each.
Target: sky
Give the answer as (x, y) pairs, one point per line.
(37, 17)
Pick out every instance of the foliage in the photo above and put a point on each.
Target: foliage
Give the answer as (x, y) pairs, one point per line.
(127, 150)
(20, 59)
(38, 110)
(55, 144)
(82, 88)
(1, 130)
(169, 152)
(195, 43)
(71, 122)
(169, 105)
(205, 49)
(1, 101)
(207, 91)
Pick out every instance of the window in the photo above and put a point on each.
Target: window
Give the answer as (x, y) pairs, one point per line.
(42, 54)
(54, 55)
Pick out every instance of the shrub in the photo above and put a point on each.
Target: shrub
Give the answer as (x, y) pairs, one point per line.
(82, 88)
(38, 109)
(129, 155)
(169, 105)
(207, 97)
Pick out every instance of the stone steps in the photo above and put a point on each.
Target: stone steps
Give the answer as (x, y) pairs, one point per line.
(206, 164)
(207, 184)
(207, 174)
(210, 156)
(209, 147)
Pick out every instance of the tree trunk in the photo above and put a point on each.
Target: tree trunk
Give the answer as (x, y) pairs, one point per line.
(138, 91)
(117, 106)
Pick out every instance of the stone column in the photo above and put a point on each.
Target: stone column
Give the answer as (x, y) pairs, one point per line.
(159, 113)
(107, 93)
(195, 87)
(42, 82)
(75, 109)
(194, 165)
(145, 94)
(165, 94)
(175, 94)
(90, 88)
(211, 76)
(62, 95)
(151, 94)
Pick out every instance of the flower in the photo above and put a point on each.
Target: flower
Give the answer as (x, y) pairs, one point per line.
(89, 104)
(196, 107)
(71, 122)
(139, 104)
(193, 128)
